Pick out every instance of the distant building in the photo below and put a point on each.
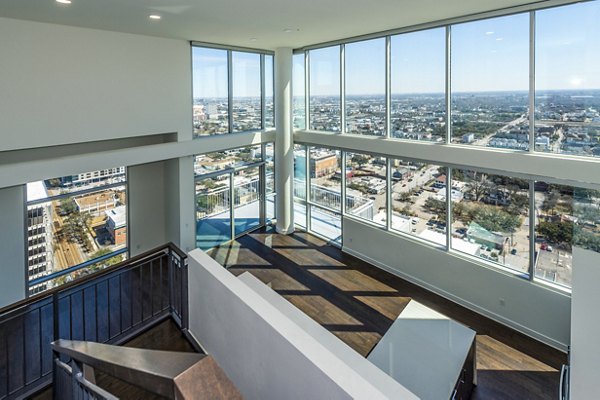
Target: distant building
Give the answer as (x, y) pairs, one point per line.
(401, 174)
(468, 138)
(322, 163)
(440, 181)
(478, 234)
(91, 177)
(39, 235)
(542, 142)
(116, 224)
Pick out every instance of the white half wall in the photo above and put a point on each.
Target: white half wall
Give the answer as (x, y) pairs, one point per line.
(266, 354)
(64, 84)
(585, 325)
(530, 308)
(12, 245)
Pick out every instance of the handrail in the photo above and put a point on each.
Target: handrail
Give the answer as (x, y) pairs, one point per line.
(112, 305)
(154, 370)
(171, 374)
(93, 275)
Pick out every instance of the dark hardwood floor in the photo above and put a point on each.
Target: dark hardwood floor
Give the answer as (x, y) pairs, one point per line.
(358, 302)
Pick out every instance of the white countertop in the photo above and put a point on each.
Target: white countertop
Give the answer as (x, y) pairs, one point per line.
(424, 351)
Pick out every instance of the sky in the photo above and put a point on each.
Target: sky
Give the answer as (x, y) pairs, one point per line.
(486, 55)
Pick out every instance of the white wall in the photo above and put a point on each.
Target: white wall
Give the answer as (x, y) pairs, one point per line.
(12, 245)
(63, 84)
(528, 307)
(147, 207)
(265, 353)
(585, 325)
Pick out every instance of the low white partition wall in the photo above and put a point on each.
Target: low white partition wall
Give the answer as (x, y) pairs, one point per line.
(270, 349)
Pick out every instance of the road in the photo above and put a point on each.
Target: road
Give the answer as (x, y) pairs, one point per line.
(485, 140)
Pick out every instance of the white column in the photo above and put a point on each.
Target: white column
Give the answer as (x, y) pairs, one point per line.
(284, 143)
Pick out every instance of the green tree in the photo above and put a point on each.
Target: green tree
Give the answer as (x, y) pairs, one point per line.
(105, 263)
(437, 207)
(556, 232)
(495, 219)
(75, 226)
(67, 206)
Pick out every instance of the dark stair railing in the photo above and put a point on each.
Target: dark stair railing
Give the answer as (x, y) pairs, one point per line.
(109, 306)
(169, 374)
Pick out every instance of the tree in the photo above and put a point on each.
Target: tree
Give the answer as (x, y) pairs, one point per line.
(437, 207)
(404, 197)
(556, 232)
(518, 203)
(550, 202)
(67, 206)
(479, 187)
(75, 226)
(495, 219)
(360, 159)
(105, 263)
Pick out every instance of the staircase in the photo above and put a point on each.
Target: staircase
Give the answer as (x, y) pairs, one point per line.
(172, 375)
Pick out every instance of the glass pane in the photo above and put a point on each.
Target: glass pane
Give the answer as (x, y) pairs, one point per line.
(270, 207)
(300, 214)
(210, 91)
(555, 223)
(213, 218)
(298, 101)
(211, 162)
(246, 91)
(419, 200)
(490, 82)
(247, 199)
(326, 223)
(325, 178)
(418, 71)
(71, 230)
(300, 171)
(366, 187)
(365, 87)
(269, 111)
(325, 89)
(491, 218)
(270, 168)
(567, 79)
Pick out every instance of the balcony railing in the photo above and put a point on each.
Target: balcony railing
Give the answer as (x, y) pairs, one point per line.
(109, 306)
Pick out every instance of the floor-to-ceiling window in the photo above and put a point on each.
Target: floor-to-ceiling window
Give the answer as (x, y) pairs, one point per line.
(232, 90)
(76, 224)
(471, 85)
(325, 192)
(231, 188)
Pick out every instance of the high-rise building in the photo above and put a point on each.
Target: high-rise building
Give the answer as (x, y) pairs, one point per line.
(39, 235)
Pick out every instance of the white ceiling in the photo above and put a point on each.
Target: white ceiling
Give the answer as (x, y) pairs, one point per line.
(236, 22)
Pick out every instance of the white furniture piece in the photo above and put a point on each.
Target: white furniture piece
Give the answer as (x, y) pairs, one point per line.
(428, 353)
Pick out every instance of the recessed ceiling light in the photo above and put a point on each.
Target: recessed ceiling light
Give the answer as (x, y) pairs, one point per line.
(253, 39)
(64, 1)
(287, 30)
(154, 16)
(489, 33)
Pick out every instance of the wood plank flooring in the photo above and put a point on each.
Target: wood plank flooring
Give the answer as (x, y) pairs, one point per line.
(358, 302)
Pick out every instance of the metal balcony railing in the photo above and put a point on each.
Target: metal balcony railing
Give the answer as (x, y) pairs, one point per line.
(109, 306)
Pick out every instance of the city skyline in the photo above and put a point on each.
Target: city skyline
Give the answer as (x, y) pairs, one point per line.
(487, 55)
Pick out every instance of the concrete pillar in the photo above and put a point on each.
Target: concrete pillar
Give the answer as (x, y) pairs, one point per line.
(284, 142)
